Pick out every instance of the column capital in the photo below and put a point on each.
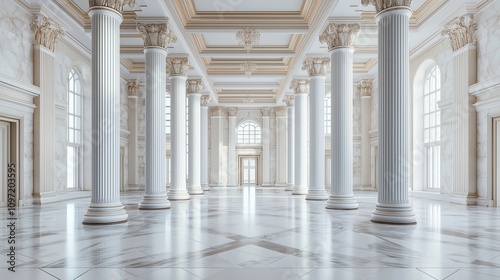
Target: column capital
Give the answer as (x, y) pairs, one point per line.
(289, 100)
(205, 99)
(381, 5)
(194, 86)
(339, 35)
(217, 111)
(461, 31)
(156, 35)
(133, 87)
(365, 88)
(178, 66)
(46, 31)
(113, 4)
(300, 86)
(316, 66)
(232, 111)
(266, 112)
(280, 111)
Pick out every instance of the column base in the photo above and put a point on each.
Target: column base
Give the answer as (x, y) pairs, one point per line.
(464, 199)
(289, 187)
(280, 185)
(342, 202)
(205, 187)
(195, 190)
(267, 184)
(393, 214)
(298, 190)
(314, 194)
(218, 185)
(105, 213)
(178, 194)
(153, 202)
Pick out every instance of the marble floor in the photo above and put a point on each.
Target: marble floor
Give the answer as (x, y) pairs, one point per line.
(249, 233)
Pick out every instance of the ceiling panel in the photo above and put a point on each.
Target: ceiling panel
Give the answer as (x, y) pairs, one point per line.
(248, 6)
(229, 39)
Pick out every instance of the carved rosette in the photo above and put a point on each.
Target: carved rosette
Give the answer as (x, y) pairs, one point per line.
(300, 86)
(46, 31)
(178, 66)
(194, 86)
(232, 111)
(280, 111)
(316, 66)
(205, 99)
(156, 35)
(217, 111)
(266, 112)
(113, 4)
(365, 88)
(133, 88)
(339, 35)
(289, 100)
(461, 31)
(381, 5)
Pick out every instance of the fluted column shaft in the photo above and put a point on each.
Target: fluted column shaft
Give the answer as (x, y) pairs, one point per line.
(232, 168)
(365, 142)
(290, 146)
(105, 207)
(300, 186)
(204, 147)
(265, 152)
(194, 183)
(393, 204)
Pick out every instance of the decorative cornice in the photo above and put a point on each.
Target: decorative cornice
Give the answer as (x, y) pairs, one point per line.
(300, 86)
(266, 112)
(133, 87)
(381, 5)
(113, 4)
(339, 35)
(316, 66)
(46, 31)
(178, 66)
(194, 86)
(289, 100)
(217, 111)
(365, 88)
(205, 99)
(461, 31)
(232, 111)
(156, 35)
(280, 111)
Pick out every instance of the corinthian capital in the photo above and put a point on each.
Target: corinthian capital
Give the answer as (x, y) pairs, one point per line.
(381, 5)
(461, 31)
(365, 88)
(156, 35)
(113, 4)
(316, 66)
(289, 100)
(178, 66)
(194, 86)
(339, 35)
(232, 111)
(300, 86)
(133, 87)
(266, 112)
(205, 99)
(46, 31)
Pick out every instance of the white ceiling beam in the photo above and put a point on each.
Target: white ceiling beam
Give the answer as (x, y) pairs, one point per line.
(253, 85)
(244, 55)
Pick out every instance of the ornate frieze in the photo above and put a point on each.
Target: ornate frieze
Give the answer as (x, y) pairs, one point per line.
(156, 35)
(381, 5)
(178, 66)
(316, 66)
(288, 100)
(461, 31)
(46, 31)
(133, 87)
(365, 88)
(205, 99)
(339, 35)
(232, 111)
(280, 111)
(266, 111)
(113, 4)
(217, 111)
(300, 86)
(194, 86)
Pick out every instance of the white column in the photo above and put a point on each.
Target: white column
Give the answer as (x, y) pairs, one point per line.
(316, 68)
(105, 206)
(290, 144)
(216, 147)
(133, 127)
(365, 91)
(339, 40)
(205, 99)
(301, 89)
(194, 88)
(178, 68)
(393, 204)
(232, 167)
(461, 32)
(281, 153)
(266, 113)
(156, 39)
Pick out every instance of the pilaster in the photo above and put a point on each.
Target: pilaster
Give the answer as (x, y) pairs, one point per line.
(301, 89)
(281, 153)
(365, 91)
(205, 99)
(290, 143)
(217, 178)
(133, 127)
(266, 114)
(232, 166)
(194, 88)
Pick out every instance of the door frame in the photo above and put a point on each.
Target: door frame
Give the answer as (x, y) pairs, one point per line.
(257, 168)
(14, 154)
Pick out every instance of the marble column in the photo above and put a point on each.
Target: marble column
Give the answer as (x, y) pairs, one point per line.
(393, 204)
(266, 113)
(281, 153)
(46, 35)
(461, 34)
(290, 144)
(365, 91)
(156, 38)
(105, 206)
(133, 127)
(316, 68)
(232, 166)
(178, 68)
(205, 99)
(301, 89)
(216, 147)
(339, 39)
(194, 88)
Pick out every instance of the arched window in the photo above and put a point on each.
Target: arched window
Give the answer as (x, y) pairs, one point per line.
(249, 133)
(432, 126)
(74, 129)
(328, 115)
